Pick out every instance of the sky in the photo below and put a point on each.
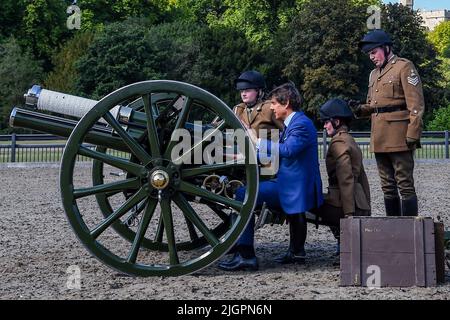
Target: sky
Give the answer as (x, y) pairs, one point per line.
(428, 4)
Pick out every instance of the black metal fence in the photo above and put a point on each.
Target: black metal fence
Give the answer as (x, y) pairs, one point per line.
(38, 148)
(435, 144)
(49, 148)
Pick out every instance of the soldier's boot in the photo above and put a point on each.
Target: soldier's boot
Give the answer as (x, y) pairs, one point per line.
(410, 207)
(392, 206)
(297, 237)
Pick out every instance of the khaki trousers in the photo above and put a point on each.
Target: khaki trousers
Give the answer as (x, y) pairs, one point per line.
(396, 173)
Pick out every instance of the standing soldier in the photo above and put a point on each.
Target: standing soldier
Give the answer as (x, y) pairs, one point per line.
(395, 104)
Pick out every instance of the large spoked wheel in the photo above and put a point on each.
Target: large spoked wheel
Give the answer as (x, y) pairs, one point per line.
(161, 103)
(162, 186)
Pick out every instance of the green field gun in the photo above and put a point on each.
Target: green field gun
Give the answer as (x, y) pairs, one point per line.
(146, 212)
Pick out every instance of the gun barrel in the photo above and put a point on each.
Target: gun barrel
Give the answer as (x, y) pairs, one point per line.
(98, 135)
(61, 103)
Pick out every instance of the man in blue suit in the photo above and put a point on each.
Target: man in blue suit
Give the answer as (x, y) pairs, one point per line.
(297, 188)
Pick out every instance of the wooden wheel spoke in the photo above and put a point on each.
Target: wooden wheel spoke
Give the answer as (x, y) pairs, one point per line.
(134, 146)
(203, 193)
(222, 215)
(166, 213)
(119, 163)
(190, 213)
(132, 183)
(184, 158)
(181, 121)
(191, 229)
(152, 132)
(159, 230)
(148, 215)
(130, 203)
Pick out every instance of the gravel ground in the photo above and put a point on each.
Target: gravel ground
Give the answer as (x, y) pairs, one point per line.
(38, 246)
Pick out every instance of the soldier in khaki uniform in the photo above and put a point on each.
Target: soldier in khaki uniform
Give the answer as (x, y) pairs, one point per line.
(254, 111)
(348, 187)
(395, 104)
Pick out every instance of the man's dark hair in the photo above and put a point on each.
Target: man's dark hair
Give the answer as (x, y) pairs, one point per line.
(287, 92)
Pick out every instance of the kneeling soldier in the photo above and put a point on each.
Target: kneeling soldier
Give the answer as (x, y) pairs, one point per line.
(348, 190)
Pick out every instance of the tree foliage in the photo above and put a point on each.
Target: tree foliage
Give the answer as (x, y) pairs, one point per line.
(44, 27)
(95, 14)
(18, 71)
(441, 119)
(319, 51)
(210, 42)
(208, 57)
(11, 14)
(64, 75)
(440, 38)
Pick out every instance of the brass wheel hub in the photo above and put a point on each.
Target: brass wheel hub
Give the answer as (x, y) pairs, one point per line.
(159, 179)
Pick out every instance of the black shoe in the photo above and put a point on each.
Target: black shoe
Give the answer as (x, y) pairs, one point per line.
(290, 257)
(239, 263)
(230, 261)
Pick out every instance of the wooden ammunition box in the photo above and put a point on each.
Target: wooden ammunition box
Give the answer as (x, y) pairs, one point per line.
(392, 252)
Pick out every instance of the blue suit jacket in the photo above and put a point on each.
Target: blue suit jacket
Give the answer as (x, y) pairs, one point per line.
(298, 181)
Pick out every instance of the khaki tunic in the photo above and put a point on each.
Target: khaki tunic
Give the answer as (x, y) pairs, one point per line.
(348, 185)
(261, 117)
(397, 85)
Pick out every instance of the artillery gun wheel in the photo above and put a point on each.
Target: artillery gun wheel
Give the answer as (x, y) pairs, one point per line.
(123, 228)
(158, 186)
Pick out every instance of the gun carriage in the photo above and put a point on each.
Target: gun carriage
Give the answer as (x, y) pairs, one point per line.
(149, 210)
(176, 215)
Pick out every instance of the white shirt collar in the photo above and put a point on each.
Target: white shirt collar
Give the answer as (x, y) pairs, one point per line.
(288, 119)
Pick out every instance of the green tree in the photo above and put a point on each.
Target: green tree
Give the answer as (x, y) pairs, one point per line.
(44, 28)
(440, 38)
(200, 11)
(96, 14)
(125, 53)
(224, 53)
(18, 71)
(11, 14)
(258, 19)
(64, 75)
(118, 56)
(441, 120)
(328, 63)
(320, 53)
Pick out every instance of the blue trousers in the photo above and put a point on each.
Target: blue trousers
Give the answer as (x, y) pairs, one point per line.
(267, 193)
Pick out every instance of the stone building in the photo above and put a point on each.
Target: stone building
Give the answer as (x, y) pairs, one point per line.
(431, 18)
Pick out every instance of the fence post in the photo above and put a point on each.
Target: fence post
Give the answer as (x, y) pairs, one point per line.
(13, 147)
(324, 143)
(447, 155)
